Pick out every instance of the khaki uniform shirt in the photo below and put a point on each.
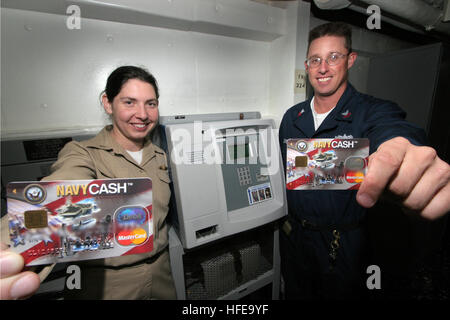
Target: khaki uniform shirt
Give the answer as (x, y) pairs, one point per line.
(102, 157)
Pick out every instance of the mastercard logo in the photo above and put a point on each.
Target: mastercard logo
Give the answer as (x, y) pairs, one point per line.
(131, 237)
(354, 176)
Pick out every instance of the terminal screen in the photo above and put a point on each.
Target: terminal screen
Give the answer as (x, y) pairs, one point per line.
(239, 151)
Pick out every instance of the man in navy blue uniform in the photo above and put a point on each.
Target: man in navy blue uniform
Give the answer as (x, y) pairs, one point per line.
(324, 241)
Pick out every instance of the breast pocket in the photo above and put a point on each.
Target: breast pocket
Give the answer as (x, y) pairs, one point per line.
(163, 188)
(110, 166)
(103, 172)
(164, 176)
(122, 171)
(161, 198)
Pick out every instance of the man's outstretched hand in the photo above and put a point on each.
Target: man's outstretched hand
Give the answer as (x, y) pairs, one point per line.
(414, 174)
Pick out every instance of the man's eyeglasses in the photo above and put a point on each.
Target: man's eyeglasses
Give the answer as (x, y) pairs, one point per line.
(333, 59)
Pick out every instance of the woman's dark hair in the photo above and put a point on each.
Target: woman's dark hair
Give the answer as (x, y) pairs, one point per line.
(122, 74)
(338, 29)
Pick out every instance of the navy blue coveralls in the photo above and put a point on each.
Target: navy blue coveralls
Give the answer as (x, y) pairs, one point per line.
(307, 267)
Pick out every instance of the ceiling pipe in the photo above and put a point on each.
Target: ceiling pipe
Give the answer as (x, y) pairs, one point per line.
(332, 4)
(416, 11)
(391, 21)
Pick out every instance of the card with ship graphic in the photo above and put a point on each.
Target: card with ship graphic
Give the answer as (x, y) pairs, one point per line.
(72, 220)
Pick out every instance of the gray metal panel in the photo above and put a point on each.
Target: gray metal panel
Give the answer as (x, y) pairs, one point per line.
(236, 194)
(198, 226)
(256, 270)
(13, 151)
(407, 77)
(208, 117)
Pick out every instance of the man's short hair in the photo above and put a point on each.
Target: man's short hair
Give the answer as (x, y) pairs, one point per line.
(338, 29)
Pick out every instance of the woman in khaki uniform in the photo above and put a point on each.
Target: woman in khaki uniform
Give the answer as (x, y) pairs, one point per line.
(120, 150)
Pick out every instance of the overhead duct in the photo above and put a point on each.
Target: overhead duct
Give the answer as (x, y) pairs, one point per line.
(418, 12)
(332, 4)
(446, 17)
